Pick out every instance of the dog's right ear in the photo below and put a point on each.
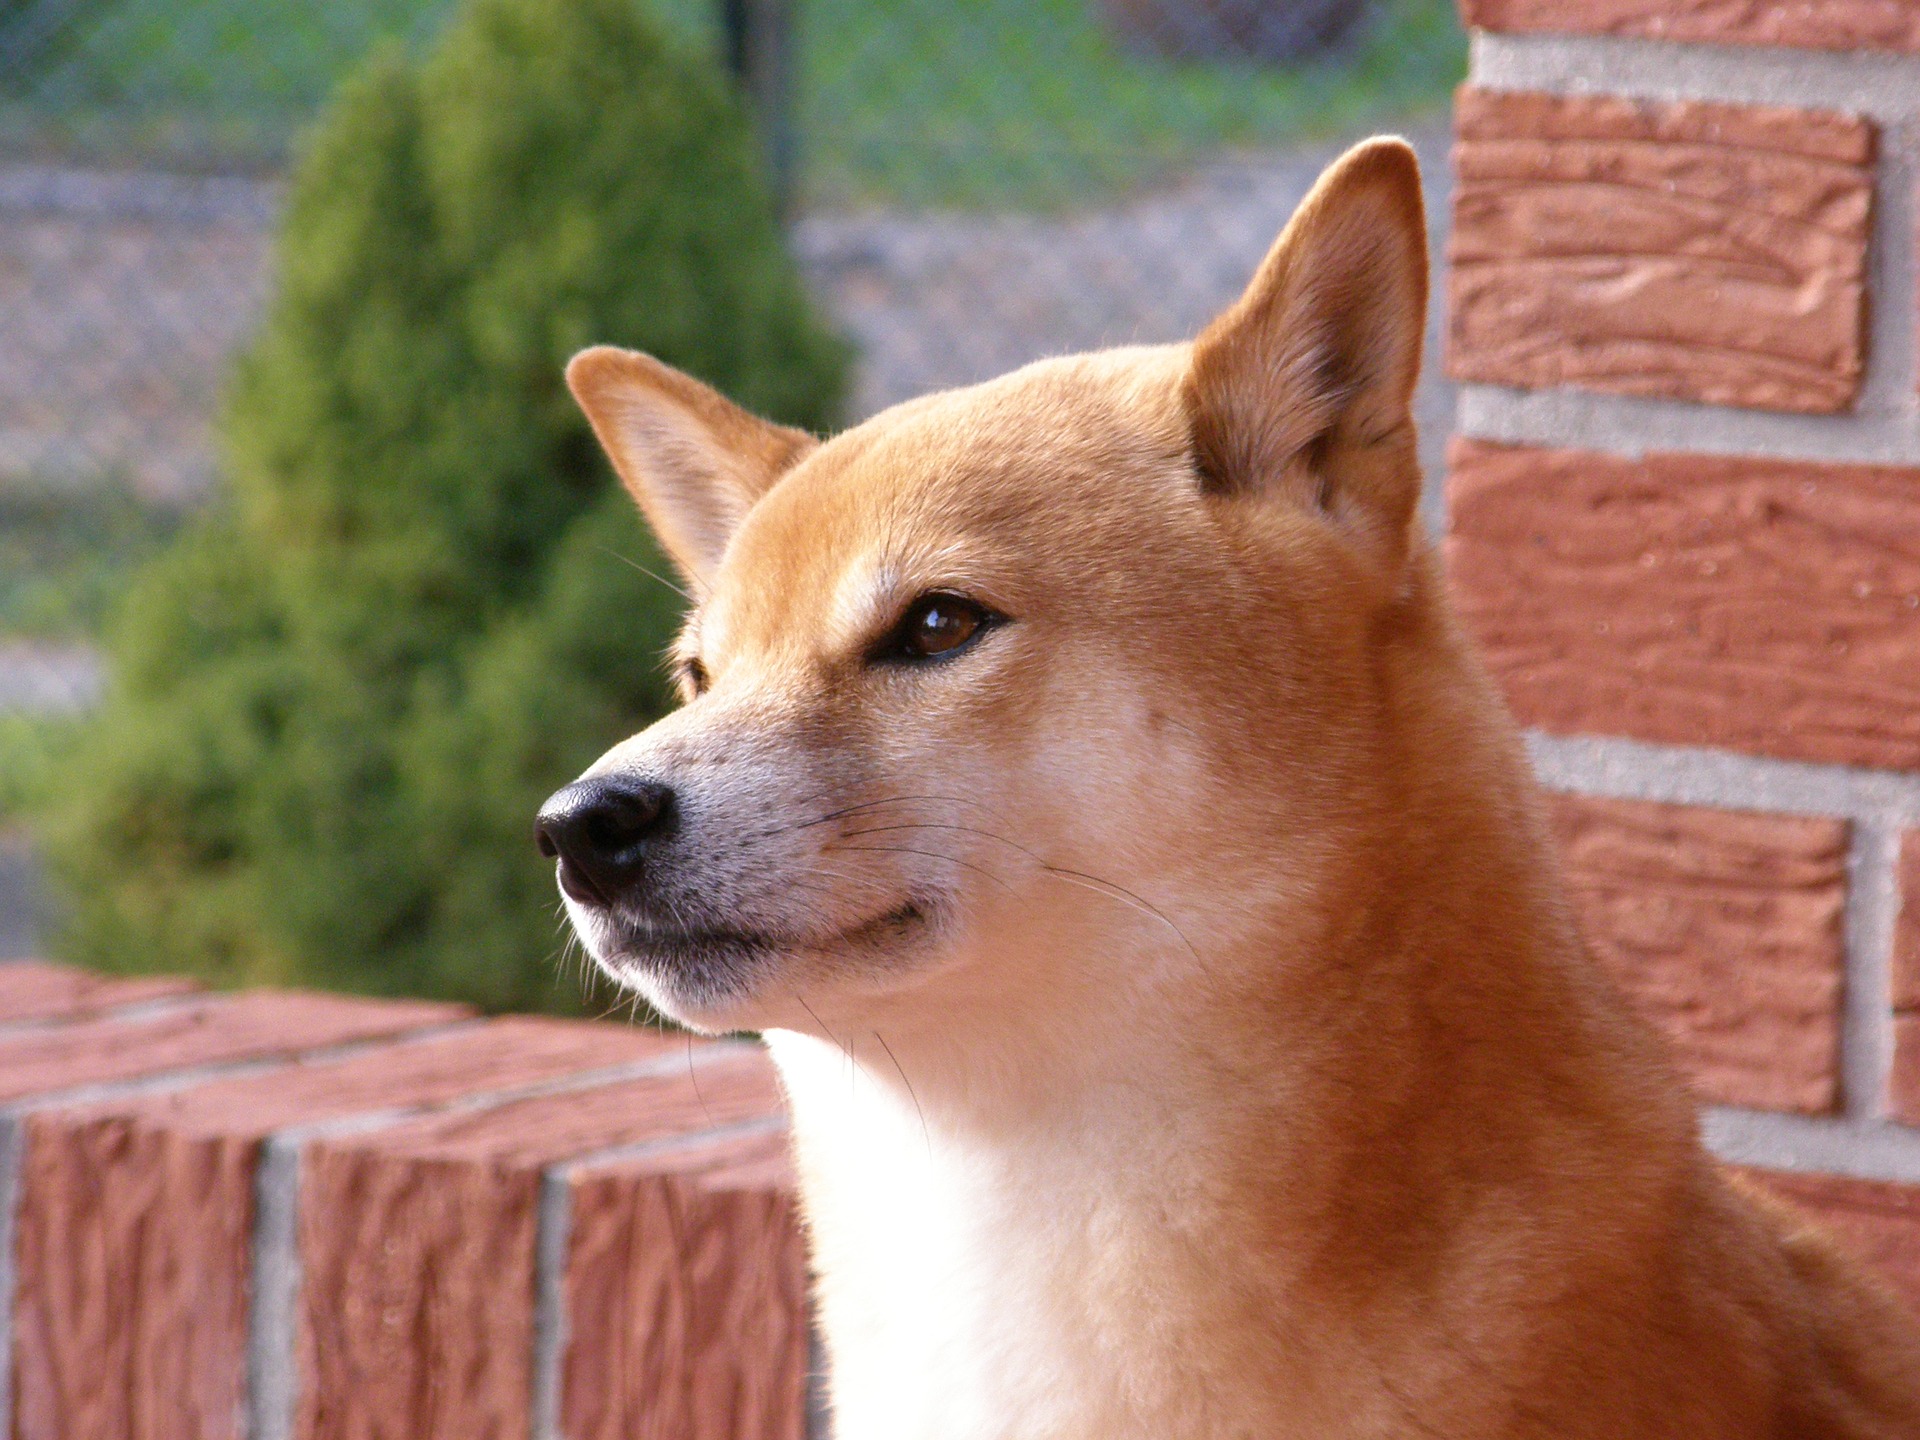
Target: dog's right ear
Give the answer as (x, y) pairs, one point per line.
(693, 460)
(1301, 393)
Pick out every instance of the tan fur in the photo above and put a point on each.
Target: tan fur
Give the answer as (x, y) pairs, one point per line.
(1184, 1027)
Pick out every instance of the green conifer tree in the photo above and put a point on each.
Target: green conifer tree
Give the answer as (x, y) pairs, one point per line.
(338, 700)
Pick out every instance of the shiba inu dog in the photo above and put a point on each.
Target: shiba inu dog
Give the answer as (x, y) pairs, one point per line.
(1084, 786)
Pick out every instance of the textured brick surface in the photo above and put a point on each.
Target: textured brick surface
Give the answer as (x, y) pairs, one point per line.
(1808, 24)
(1905, 1080)
(1690, 250)
(32, 990)
(686, 1298)
(1760, 605)
(1906, 928)
(155, 1194)
(1876, 1220)
(1903, 1084)
(256, 1025)
(417, 1248)
(1725, 927)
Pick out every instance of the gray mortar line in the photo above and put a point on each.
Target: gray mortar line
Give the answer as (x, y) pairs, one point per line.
(272, 1376)
(550, 1254)
(133, 1010)
(12, 1145)
(1884, 427)
(14, 1115)
(1696, 775)
(1858, 82)
(1890, 389)
(272, 1365)
(1864, 1149)
(549, 1304)
(1633, 427)
(1866, 1017)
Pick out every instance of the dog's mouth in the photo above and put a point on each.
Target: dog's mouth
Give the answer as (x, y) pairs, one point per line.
(712, 962)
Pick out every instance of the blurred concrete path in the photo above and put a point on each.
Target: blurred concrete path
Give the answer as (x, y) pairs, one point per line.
(48, 679)
(122, 295)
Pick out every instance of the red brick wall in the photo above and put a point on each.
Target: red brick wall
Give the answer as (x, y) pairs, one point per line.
(1684, 523)
(1707, 252)
(1726, 927)
(280, 1215)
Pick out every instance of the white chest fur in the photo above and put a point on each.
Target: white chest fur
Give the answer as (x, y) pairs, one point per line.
(1027, 1288)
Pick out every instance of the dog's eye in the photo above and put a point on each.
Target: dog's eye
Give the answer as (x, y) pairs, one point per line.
(693, 675)
(937, 625)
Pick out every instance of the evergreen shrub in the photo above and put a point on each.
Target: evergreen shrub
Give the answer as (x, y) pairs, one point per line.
(339, 699)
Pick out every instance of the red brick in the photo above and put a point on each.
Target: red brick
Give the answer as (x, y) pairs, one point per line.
(1904, 1083)
(157, 1192)
(1906, 928)
(1807, 24)
(1498, 115)
(1726, 929)
(417, 1247)
(1760, 605)
(1877, 1220)
(1683, 249)
(686, 1298)
(33, 990)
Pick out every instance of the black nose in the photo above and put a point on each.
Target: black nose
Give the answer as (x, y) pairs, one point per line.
(600, 829)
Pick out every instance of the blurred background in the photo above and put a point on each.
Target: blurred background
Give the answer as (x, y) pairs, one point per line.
(311, 585)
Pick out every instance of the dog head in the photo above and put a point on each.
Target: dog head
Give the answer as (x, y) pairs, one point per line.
(1024, 693)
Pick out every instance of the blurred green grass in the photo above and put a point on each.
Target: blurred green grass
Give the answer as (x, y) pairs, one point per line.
(215, 84)
(1031, 102)
(921, 102)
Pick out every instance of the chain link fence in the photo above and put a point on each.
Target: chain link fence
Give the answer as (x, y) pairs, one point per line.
(970, 184)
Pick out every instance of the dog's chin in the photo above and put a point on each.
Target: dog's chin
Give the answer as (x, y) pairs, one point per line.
(718, 979)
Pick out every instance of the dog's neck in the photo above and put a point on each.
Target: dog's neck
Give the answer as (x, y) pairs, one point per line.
(1228, 1150)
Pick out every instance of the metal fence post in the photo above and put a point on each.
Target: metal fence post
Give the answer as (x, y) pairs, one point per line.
(758, 36)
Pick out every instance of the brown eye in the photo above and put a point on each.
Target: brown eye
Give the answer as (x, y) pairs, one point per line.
(937, 625)
(694, 676)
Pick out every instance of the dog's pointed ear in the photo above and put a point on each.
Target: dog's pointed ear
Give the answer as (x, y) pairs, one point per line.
(693, 460)
(1302, 391)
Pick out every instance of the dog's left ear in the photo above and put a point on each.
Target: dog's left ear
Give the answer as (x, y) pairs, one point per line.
(1301, 393)
(693, 460)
